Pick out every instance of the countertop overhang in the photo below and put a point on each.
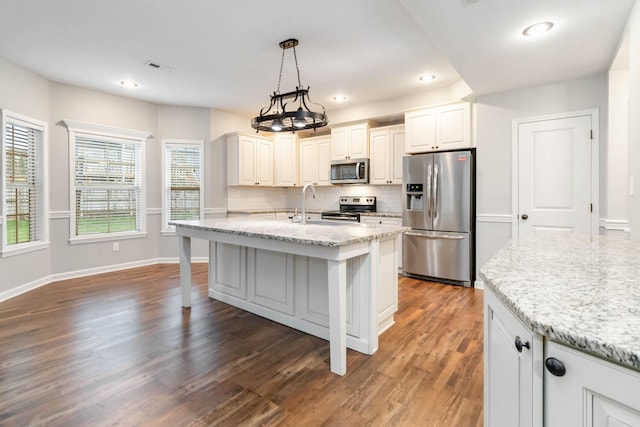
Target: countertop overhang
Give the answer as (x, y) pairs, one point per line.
(578, 290)
(331, 235)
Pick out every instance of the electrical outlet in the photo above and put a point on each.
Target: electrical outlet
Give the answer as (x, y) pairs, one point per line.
(116, 246)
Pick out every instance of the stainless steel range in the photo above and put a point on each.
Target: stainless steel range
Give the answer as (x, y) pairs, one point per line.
(351, 207)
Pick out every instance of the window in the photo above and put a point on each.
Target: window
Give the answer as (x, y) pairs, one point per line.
(182, 172)
(24, 190)
(107, 186)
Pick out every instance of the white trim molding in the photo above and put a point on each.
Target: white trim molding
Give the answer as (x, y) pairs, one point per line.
(59, 214)
(615, 224)
(14, 292)
(500, 218)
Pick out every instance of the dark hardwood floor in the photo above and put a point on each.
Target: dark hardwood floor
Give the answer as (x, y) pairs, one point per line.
(117, 349)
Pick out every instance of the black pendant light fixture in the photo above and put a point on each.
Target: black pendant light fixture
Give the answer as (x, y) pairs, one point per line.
(289, 112)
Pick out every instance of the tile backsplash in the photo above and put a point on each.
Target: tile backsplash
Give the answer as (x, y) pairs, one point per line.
(389, 197)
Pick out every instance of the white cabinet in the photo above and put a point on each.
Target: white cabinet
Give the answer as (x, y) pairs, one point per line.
(387, 147)
(512, 384)
(366, 219)
(447, 127)
(249, 160)
(285, 148)
(350, 142)
(591, 392)
(315, 160)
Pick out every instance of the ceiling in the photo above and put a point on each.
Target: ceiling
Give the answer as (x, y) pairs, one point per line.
(225, 55)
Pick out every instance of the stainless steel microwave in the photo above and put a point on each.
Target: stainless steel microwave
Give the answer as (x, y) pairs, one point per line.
(351, 171)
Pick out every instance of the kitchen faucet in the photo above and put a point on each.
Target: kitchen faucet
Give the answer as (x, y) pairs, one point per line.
(304, 190)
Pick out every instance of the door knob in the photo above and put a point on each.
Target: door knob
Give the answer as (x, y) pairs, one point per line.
(524, 217)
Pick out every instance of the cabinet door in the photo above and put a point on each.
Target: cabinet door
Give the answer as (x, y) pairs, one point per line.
(246, 160)
(264, 162)
(286, 160)
(339, 143)
(308, 162)
(591, 393)
(379, 162)
(453, 126)
(391, 221)
(420, 129)
(323, 158)
(358, 145)
(397, 147)
(510, 382)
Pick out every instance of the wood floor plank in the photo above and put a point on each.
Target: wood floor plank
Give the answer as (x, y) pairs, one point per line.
(118, 349)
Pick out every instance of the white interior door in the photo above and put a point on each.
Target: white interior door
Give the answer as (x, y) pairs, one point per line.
(555, 176)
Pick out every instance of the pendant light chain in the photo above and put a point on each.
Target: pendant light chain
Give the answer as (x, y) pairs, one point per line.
(281, 63)
(295, 57)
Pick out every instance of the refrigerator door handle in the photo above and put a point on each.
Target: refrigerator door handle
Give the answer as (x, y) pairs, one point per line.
(435, 191)
(427, 236)
(429, 184)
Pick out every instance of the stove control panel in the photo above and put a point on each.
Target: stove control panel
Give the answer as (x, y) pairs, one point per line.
(358, 200)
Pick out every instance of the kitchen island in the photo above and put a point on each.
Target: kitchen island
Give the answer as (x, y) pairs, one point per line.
(562, 332)
(332, 280)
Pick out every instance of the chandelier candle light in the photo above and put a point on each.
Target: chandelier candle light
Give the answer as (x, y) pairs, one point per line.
(276, 117)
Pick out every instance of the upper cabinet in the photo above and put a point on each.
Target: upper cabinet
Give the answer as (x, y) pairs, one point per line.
(249, 160)
(350, 142)
(285, 149)
(387, 145)
(447, 127)
(315, 159)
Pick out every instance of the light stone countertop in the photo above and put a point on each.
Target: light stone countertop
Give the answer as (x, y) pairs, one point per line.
(313, 233)
(580, 291)
(310, 211)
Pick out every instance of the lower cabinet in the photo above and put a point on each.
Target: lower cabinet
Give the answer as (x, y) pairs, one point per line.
(582, 390)
(292, 289)
(511, 380)
(391, 221)
(531, 381)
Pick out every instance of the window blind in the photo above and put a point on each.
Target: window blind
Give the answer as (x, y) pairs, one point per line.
(107, 185)
(22, 183)
(183, 181)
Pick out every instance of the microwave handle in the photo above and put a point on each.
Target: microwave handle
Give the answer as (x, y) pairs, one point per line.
(357, 170)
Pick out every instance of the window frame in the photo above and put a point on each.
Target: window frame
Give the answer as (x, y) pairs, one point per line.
(42, 184)
(166, 229)
(89, 130)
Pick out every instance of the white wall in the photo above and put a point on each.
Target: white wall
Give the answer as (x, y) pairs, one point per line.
(493, 128)
(26, 93)
(633, 29)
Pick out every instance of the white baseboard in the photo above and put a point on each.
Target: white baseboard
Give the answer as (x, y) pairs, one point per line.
(478, 284)
(14, 292)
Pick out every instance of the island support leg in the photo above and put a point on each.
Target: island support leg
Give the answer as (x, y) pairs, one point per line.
(338, 316)
(184, 247)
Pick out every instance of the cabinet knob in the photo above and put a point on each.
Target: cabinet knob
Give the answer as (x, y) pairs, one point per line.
(524, 217)
(555, 366)
(520, 344)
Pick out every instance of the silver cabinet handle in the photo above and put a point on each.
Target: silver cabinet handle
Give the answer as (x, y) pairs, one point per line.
(427, 236)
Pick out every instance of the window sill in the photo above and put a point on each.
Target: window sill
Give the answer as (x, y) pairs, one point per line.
(23, 248)
(95, 238)
(168, 232)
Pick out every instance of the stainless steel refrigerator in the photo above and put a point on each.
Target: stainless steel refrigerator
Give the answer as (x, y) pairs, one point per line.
(439, 205)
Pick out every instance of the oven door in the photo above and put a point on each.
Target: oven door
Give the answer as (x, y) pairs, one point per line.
(341, 216)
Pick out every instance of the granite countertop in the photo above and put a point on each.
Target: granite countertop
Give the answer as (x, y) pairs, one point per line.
(310, 211)
(576, 290)
(313, 233)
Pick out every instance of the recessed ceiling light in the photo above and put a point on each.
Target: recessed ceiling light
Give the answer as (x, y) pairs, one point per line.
(427, 78)
(129, 84)
(537, 29)
(339, 98)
